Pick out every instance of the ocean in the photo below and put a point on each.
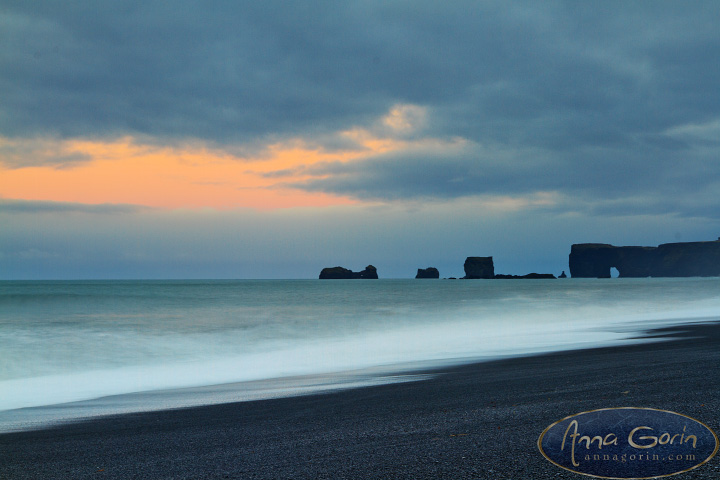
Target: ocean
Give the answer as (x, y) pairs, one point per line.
(76, 349)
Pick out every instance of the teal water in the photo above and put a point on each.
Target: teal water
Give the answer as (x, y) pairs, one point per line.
(76, 341)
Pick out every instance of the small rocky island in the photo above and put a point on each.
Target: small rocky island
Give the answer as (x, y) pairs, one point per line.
(590, 260)
(483, 267)
(340, 273)
(529, 276)
(688, 259)
(430, 272)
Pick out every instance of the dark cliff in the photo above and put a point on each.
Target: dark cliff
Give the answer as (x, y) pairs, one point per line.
(689, 259)
(430, 272)
(340, 273)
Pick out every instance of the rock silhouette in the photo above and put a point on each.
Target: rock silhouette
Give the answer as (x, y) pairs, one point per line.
(479, 267)
(340, 273)
(529, 276)
(430, 272)
(688, 259)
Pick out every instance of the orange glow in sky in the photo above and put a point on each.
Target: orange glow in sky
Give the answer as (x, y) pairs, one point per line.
(125, 171)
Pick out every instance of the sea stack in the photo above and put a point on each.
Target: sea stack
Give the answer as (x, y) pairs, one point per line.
(430, 272)
(340, 273)
(479, 267)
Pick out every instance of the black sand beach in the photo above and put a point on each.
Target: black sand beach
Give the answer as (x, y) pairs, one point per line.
(479, 421)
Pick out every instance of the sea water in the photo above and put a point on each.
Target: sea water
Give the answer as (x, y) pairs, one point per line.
(73, 349)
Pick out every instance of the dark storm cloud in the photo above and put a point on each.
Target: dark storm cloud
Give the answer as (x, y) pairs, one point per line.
(417, 175)
(647, 179)
(215, 70)
(536, 73)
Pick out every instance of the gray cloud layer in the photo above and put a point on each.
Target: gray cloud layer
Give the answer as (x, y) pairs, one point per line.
(557, 74)
(616, 102)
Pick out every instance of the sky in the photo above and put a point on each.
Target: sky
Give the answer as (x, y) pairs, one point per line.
(213, 139)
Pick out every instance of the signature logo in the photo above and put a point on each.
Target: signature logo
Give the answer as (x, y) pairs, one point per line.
(628, 443)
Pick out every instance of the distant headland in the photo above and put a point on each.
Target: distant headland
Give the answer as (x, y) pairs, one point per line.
(589, 260)
(688, 259)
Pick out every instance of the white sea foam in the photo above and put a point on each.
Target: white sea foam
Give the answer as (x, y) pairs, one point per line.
(69, 341)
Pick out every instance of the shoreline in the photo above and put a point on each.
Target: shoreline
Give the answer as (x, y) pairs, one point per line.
(473, 421)
(45, 416)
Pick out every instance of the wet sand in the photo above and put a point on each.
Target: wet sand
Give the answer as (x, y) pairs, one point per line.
(479, 421)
